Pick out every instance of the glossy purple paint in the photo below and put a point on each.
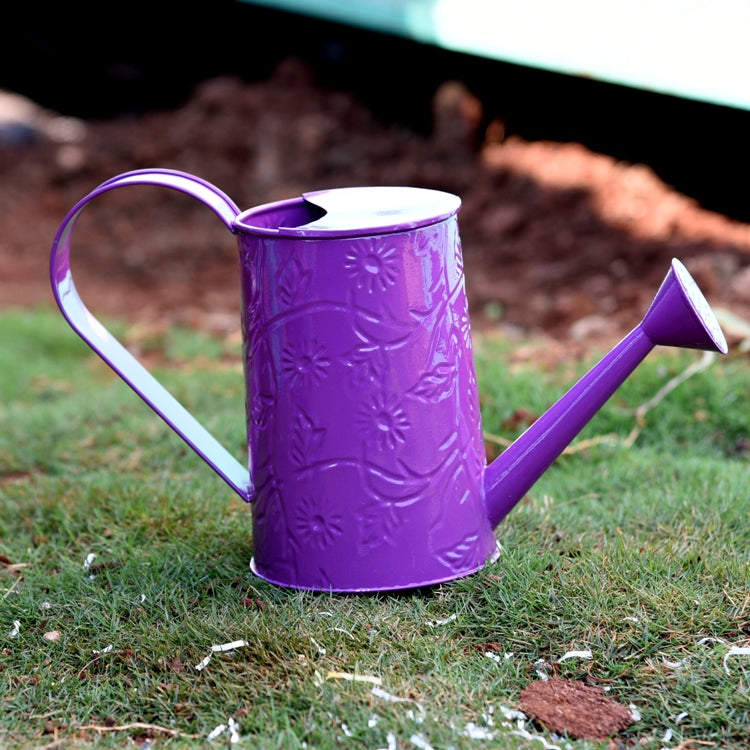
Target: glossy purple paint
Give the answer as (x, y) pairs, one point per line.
(365, 451)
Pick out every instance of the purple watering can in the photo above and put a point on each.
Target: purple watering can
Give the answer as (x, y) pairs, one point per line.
(367, 468)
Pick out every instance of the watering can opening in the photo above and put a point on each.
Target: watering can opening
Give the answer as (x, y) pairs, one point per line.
(276, 217)
(349, 212)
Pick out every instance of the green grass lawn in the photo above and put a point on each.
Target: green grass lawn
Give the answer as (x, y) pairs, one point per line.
(124, 559)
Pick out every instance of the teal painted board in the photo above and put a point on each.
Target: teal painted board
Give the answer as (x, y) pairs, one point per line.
(695, 50)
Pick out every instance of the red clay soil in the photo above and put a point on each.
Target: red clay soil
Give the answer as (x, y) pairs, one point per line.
(580, 711)
(557, 239)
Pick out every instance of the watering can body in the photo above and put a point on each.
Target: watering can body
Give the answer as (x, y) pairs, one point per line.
(366, 468)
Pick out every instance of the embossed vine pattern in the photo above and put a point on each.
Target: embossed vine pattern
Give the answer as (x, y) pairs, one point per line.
(362, 421)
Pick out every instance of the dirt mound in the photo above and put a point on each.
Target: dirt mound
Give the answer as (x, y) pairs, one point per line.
(556, 239)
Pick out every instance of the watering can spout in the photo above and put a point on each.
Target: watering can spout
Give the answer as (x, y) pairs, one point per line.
(678, 316)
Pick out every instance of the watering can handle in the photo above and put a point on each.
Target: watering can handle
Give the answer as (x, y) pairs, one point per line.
(116, 355)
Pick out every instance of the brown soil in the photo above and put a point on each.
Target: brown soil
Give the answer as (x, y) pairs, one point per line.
(557, 239)
(575, 709)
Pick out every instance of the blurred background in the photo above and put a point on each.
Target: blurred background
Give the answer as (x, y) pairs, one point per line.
(92, 61)
(581, 172)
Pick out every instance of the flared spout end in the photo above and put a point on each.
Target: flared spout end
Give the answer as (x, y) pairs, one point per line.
(681, 316)
(678, 316)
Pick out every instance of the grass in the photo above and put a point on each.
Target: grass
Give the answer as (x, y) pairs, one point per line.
(638, 552)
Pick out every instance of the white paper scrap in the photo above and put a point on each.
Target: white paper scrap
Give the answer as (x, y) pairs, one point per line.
(512, 713)
(391, 740)
(214, 733)
(229, 646)
(89, 559)
(674, 664)
(386, 696)
(321, 649)
(234, 731)
(418, 741)
(347, 732)
(474, 732)
(528, 736)
(576, 655)
(667, 736)
(439, 623)
(634, 712)
(16, 629)
(492, 655)
(204, 663)
(231, 727)
(541, 668)
(372, 722)
(735, 651)
(218, 648)
(354, 677)
(680, 717)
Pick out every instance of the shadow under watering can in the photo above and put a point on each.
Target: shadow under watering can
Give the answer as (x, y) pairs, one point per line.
(366, 463)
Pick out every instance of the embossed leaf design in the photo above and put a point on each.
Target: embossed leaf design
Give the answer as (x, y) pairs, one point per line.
(462, 556)
(473, 414)
(248, 259)
(307, 440)
(401, 490)
(382, 329)
(294, 283)
(461, 322)
(376, 525)
(271, 530)
(459, 488)
(428, 251)
(434, 385)
(262, 406)
(459, 256)
(425, 241)
(367, 362)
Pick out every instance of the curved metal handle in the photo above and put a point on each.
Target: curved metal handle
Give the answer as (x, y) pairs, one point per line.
(116, 355)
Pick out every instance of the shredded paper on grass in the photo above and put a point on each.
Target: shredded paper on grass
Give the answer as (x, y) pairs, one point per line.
(218, 649)
(735, 651)
(354, 677)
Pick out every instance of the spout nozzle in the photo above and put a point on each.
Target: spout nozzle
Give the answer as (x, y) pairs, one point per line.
(681, 316)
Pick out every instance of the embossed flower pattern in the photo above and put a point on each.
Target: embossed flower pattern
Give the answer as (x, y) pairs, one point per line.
(372, 267)
(305, 364)
(383, 421)
(317, 529)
